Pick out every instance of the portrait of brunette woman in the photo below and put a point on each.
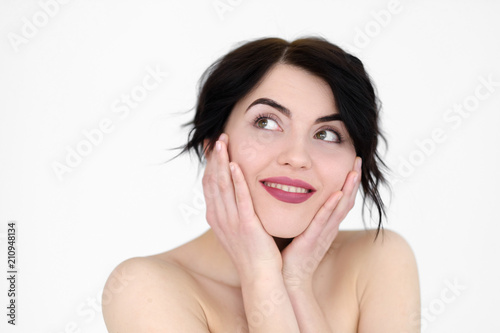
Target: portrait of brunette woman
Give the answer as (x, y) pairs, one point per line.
(289, 134)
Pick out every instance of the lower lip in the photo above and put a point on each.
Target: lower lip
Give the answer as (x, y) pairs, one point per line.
(288, 197)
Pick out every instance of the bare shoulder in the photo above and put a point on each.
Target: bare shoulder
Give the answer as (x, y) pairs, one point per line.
(366, 245)
(387, 280)
(384, 255)
(148, 294)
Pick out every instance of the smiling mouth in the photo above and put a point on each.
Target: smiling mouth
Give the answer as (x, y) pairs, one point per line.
(287, 188)
(297, 193)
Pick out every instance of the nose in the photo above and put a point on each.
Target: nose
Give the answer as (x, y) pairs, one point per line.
(295, 154)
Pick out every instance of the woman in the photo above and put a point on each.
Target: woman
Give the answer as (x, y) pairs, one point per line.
(289, 132)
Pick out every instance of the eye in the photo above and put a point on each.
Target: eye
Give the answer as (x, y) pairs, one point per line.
(265, 122)
(328, 135)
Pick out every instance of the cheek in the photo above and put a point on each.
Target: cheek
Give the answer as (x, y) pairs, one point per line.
(335, 173)
(248, 148)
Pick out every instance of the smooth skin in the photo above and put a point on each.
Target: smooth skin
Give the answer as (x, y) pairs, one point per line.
(237, 278)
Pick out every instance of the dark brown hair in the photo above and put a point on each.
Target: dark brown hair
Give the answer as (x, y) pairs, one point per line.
(232, 77)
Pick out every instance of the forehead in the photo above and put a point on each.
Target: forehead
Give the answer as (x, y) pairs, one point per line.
(296, 89)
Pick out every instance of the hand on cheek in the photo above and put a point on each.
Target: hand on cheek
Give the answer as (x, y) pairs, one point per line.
(305, 252)
(231, 214)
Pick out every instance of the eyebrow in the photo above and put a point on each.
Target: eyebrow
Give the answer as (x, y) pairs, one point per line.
(287, 113)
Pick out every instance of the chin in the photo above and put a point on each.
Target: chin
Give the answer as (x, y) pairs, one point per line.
(284, 226)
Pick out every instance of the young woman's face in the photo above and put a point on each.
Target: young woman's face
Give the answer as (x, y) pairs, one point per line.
(293, 151)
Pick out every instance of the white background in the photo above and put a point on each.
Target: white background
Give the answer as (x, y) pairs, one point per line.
(65, 76)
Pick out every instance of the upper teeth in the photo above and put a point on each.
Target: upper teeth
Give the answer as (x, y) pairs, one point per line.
(287, 188)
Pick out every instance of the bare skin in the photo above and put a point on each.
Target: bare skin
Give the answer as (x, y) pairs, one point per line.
(195, 288)
(239, 276)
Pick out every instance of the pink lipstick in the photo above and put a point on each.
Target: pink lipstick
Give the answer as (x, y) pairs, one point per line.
(288, 190)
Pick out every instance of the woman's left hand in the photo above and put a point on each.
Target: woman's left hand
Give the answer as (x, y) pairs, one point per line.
(303, 255)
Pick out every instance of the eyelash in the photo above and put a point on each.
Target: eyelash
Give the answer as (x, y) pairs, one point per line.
(331, 129)
(273, 118)
(264, 116)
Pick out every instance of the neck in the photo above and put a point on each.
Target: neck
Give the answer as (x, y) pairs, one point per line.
(214, 255)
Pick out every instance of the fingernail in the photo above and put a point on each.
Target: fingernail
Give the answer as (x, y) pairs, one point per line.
(358, 163)
(218, 146)
(356, 178)
(231, 166)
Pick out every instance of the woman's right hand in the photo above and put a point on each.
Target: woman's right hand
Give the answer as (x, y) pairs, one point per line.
(231, 215)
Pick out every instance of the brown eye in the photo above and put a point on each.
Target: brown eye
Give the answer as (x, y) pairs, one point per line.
(262, 123)
(267, 124)
(320, 135)
(327, 135)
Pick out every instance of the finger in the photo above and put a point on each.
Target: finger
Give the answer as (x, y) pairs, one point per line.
(348, 194)
(356, 169)
(211, 193)
(357, 164)
(211, 160)
(242, 193)
(322, 217)
(216, 211)
(357, 179)
(351, 185)
(209, 182)
(210, 155)
(224, 138)
(226, 203)
(324, 227)
(345, 203)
